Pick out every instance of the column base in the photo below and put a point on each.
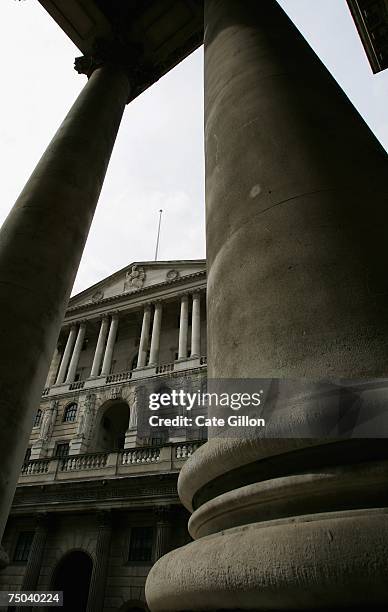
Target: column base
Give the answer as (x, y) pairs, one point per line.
(330, 561)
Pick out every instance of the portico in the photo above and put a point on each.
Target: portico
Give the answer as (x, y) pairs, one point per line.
(137, 340)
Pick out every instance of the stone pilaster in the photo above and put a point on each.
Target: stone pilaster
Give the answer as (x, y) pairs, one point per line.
(163, 532)
(100, 347)
(131, 437)
(183, 327)
(107, 363)
(32, 571)
(40, 447)
(67, 354)
(155, 338)
(196, 326)
(100, 564)
(51, 220)
(76, 352)
(144, 338)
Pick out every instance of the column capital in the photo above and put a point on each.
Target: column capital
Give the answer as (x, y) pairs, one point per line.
(113, 313)
(69, 326)
(128, 57)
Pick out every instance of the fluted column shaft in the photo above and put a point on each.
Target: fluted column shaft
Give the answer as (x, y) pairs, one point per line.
(100, 347)
(67, 354)
(41, 243)
(76, 353)
(183, 327)
(107, 363)
(144, 338)
(196, 326)
(155, 338)
(100, 566)
(163, 535)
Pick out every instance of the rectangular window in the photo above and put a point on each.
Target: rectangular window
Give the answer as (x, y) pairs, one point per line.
(62, 450)
(27, 456)
(23, 546)
(140, 544)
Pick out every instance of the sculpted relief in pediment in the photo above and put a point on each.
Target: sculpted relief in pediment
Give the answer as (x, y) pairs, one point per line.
(134, 278)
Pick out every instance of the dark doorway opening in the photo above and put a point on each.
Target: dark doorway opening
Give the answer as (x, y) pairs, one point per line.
(113, 424)
(72, 576)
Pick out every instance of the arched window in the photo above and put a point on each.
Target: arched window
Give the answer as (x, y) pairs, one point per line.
(70, 413)
(38, 418)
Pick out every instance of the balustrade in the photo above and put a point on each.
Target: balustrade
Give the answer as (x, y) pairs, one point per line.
(140, 455)
(184, 451)
(36, 466)
(119, 377)
(98, 461)
(77, 385)
(84, 462)
(165, 367)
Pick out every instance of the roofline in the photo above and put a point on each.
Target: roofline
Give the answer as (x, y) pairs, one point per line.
(113, 298)
(138, 263)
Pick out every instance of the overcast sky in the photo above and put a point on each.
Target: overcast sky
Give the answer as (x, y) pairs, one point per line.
(158, 159)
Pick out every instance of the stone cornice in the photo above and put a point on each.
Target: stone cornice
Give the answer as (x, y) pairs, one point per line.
(143, 291)
(139, 490)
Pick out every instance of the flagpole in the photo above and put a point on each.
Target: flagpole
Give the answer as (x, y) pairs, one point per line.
(157, 240)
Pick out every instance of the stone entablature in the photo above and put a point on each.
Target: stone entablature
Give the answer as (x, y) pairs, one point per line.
(174, 279)
(138, 489)
(120, 377)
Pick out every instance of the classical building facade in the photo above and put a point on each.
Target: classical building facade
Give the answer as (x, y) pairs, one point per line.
(296, 217)
(97, 501)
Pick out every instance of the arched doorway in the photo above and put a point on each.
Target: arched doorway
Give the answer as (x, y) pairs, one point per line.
(72, 576)
(112, 425)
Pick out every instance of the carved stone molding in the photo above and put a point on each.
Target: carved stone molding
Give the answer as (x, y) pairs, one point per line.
(135, 278)
(97, 296)
(172, 274)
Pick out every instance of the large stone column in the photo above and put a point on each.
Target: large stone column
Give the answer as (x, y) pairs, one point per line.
(295, 218)
(110, 345)
(155, 338)
(183, 327)
(144, 337)
(76, 353)
(196, 326)
(67, 354)
(100, 347)
(100, 564)
(41, 243)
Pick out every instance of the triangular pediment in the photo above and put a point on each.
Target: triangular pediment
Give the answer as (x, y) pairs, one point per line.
(137, 276)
